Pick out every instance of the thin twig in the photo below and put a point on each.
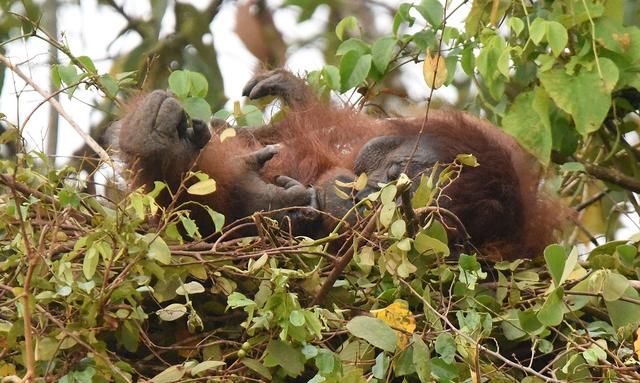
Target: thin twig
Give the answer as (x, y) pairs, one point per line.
(88, 347)
(473, 341)
(342, 262)
(614, 176)
(86, 137)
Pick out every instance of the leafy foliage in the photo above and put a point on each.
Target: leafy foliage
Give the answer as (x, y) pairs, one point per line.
(90, 291)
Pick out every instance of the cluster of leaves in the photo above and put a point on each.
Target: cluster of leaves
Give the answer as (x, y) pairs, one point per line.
(103, 301)
(562, 78)
(89, 292)
(83, 70)
(190, 88)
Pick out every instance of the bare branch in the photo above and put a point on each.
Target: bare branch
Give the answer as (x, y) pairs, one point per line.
(86, 137)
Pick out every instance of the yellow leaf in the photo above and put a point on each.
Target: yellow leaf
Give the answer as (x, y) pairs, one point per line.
(343, 184)
(577, 274)
(7, 370)
(361, 182)
(398, 317)
(227, 133)
(203, 187)
(593, 219)
(434, 70)
(636, 344)
(341, 194)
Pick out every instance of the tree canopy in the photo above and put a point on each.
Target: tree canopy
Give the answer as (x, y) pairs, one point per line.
(101, 284)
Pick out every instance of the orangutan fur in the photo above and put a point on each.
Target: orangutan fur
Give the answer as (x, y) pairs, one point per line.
(296, 161)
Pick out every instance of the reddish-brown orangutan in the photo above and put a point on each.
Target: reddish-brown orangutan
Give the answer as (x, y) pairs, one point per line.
(295, 163)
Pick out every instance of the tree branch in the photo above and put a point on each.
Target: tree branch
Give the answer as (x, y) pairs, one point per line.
(614, 176)
(86, 137)
(342, 262)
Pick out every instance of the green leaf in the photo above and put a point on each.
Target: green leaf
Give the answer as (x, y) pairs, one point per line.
(46, 348)
(287, 357)
(206, 365)
(203, 187)
(199, 86)
(596, 352)
(172, 312)
(424, 243)
(403, 363)
(382, 52)
(222, 114)
(190, 226)
(444, 372)
(467, 61)
(331, 75)
(615, 286)
(309, 351)
(426, 40)
(555, 257)
(610, 73)
(388, 195)
(511, 327)
(88, 64)
(68, 74)
(468, 160)
(353, 44)
(354, 69)
(217, 218)
(424, 194)
(347, 24)
(236, 300)
(296, 318)
(398, 228)
(503, 62)
(545, 346)
(627, 254)
(386, 214)
(325, 361)
(445, 346)
(612, 36)
(252, 115)
(529, 322)
(55, 76)
(257, 367)
(572, 167)
(492, 59)
(158, 249)
(516, 25)
(421, 359)
(129, 335)
(557, 37)
(197, 107)
(170, 374)
(537, 30)
(552, 310)
(531, 126)
(402, 16)
(379, 369)
(190, 288)
(374, 331)
(69, 197)
(590, 109)
(179, 83)
(90, 262)
(109, 85)
(624, 313)
(432, 11)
